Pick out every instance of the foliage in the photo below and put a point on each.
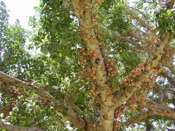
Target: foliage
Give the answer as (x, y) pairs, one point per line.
(93, 63)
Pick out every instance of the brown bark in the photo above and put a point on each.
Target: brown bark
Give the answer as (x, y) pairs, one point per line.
(160, 110)
(141, 116)
(153, 109)
(18, 128)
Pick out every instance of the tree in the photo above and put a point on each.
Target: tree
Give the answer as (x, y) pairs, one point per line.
(3, 22)
(103, 65)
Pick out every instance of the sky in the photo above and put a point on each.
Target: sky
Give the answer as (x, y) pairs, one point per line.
(21, 9)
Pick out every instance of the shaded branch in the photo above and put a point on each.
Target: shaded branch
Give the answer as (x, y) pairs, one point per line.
(153, 109)
(135, 16)
(138, 35)
(170, 4)
(169, 77)
(61, 107)
(18, 128)
(141, 116)
(167, 58)
(160, 110)
(69, 102)
(130, 40)
(141, 41)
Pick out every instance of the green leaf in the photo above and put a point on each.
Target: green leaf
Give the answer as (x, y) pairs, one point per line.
(36, 8)
(168, 12)
(44, 50)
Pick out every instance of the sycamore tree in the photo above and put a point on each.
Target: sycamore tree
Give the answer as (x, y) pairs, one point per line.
(99, 65)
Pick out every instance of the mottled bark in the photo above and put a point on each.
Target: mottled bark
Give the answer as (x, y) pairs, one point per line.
(160, 110)
(17, 128)
(92, 44)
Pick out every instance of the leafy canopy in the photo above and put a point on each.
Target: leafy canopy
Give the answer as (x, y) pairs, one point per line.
(93, 63)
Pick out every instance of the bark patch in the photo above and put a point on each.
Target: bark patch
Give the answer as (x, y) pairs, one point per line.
(105, 116)
(97, 60)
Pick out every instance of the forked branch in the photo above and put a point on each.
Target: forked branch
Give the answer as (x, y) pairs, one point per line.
(67, 111)
(137, 80)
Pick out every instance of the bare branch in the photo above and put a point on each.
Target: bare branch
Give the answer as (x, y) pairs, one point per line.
(134, 42)
(170, 4)
(160, 109)
(168, 76)
(167, 58)
(141, 116)
(153, 109)
(133, 15)
(61, 107)
(137, 50)
(69, 102)
(138, 40)
(130, 40)
(144, 15)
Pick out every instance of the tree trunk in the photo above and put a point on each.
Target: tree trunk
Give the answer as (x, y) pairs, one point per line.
(107, 118)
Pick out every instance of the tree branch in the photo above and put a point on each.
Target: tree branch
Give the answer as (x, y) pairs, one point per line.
(167, 58)
(69, 102)
(170, 4)
(169, 77)
(133, 15)
(138, 35)
(136, 81)
(139, 117)
(160, 110)
(61, 107)
(153, 109)
(138, 40)
(18, 128)
(132, 41)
